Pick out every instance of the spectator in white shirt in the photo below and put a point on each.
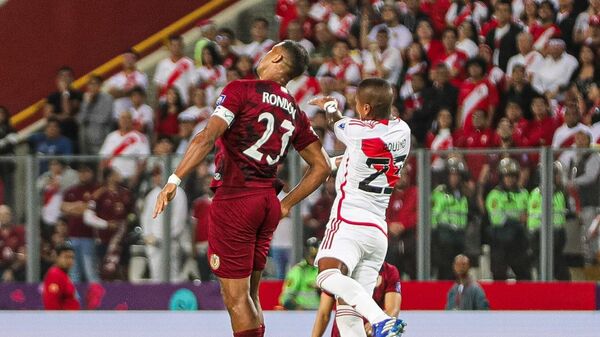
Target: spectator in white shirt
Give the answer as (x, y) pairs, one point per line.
(341, 19)
(399, 36)
(467, 39)
(211, 74)
(141, 113)
(527, 56)
(175, 71)
(120, 84)
(260, 44)
(555, 71)
(295, 33)
(154, 236)
(123, 147)
(382, 60)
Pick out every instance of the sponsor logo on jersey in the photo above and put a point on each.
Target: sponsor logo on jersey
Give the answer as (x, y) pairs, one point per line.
(215, 261)
(217, 176)
(221, 99)
(398, 287)
(342, 126)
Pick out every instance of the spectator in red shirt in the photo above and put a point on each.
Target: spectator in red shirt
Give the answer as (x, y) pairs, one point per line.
(109, 210)
(402, 222)
(454, 58)
(315, 223)
(436, 10)
(545, 29)
(82, 237)
(479, 137)
(520, 125)
(476, 93)
(166, 119)
(433, 48)
(541, 129)
(59, 293)
(12, 247)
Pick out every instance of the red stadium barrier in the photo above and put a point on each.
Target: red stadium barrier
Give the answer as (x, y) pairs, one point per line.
(502, 295)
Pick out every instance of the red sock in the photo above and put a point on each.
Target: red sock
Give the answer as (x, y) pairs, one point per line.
(258, 332)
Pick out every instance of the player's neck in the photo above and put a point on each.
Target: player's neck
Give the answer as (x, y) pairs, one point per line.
(279, 79)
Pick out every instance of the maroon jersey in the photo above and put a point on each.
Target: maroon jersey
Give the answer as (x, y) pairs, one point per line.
(263, 120)
(112, 206)
(75, 222)
(388, 281)
(201, 213)
(59, 292)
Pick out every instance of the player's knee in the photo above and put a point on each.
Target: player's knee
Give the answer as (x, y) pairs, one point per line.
(235, 301)
(326, 274)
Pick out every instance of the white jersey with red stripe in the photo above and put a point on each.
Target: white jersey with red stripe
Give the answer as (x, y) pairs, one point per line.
(375, 153)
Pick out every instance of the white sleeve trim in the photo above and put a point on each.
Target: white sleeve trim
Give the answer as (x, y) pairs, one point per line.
(225, 114)
(91, 219)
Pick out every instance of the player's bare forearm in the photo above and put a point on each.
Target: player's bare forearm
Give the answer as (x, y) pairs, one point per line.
(391, 303)
(323, 315)
(200, 146)
(318, 171)
(196, 152)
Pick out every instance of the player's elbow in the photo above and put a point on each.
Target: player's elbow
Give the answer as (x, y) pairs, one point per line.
(323, 169)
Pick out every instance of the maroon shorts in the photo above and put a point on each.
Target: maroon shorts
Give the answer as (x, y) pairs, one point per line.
(240, 229)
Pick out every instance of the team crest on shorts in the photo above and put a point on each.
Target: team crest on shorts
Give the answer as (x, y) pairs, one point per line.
(215, 261)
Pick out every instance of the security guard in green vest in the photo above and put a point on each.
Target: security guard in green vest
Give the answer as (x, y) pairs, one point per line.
(450, 208)
(300, 291)
(506, 205)
(560, 209)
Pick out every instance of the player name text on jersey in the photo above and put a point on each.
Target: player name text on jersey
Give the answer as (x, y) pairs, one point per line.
(280, 102)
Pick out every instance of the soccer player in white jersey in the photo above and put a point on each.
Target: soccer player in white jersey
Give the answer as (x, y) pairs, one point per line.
(355, 241)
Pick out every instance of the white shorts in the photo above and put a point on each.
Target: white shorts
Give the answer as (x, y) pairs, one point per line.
(361, 248)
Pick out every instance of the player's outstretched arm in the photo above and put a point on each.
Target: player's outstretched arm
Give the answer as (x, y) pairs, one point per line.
(196, 152)
(330, 106)
(323, 315)
(318, 171)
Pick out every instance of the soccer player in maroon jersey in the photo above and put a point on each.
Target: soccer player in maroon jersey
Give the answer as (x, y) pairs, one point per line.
(59, 292)
(387, 294)
(252, 127)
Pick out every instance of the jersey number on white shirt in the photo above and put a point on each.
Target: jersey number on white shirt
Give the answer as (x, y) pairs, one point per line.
(382, 166)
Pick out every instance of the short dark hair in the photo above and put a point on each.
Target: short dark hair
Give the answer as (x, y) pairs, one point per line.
(298, 58)
(137, 90)
(214, 52)
(477, 61)
(261, 19)
(378, 93)
(64, 68)
(63, 247)
(175, 37)
(96, 77)
(51, 120)
(450, 30)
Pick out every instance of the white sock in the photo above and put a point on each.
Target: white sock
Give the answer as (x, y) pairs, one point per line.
(344, 287)
(349, 321)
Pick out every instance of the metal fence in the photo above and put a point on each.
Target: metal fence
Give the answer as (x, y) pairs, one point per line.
(28, 190)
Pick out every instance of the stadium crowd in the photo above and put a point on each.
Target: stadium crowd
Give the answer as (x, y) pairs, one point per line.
(467, 74)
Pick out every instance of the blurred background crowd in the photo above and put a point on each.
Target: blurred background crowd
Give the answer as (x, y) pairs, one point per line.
(506, 75)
